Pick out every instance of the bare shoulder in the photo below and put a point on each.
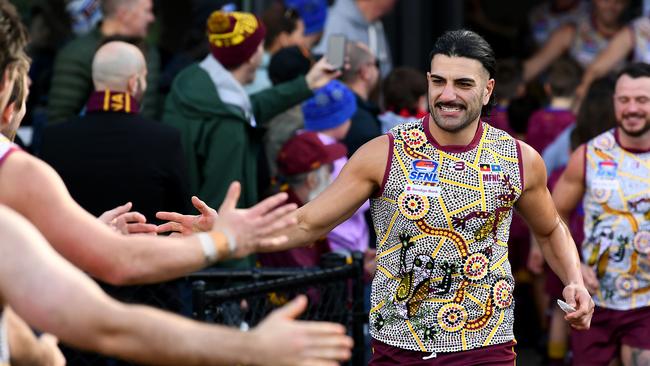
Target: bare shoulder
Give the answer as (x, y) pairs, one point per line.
(533, 166)
(22, 176)
(371, 159)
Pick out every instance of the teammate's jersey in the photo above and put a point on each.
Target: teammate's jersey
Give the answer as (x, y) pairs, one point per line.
(587, 42)
(443, 281)
(617, 222)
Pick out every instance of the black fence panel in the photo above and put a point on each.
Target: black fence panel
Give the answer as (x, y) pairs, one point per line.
(335, 292)
(242, 298)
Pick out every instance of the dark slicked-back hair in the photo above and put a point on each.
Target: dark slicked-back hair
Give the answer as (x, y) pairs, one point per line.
(468, 44)
(635, 70)
(13, 37)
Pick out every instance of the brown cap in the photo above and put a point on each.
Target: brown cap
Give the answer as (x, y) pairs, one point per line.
(306, 152)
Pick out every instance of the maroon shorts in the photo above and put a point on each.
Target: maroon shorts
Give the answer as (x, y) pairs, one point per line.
(497, 355)
(609, 330)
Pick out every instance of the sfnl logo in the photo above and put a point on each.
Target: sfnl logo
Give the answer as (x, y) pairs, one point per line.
(424, 171)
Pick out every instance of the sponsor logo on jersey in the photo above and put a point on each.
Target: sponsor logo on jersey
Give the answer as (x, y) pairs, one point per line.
(425, 171)
(607, 169)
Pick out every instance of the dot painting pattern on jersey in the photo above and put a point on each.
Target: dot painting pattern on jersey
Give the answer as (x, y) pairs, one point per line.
(443, 281)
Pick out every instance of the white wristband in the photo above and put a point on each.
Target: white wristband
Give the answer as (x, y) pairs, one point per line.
(232, 242)
(209, 249)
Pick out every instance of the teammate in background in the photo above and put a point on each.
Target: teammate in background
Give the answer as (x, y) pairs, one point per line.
(609, 174)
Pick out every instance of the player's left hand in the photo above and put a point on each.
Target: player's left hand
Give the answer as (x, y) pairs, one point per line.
(578, 297)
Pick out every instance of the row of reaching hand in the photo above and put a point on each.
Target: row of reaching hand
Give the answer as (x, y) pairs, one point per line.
(255, 229)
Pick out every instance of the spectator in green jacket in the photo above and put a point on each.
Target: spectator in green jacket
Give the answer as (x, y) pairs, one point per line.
(72, 80)
(218, 120)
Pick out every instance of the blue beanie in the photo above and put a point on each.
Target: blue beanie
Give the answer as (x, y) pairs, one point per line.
(312, 12)
(330, 106)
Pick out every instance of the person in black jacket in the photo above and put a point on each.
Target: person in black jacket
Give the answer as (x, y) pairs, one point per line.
(112, 155)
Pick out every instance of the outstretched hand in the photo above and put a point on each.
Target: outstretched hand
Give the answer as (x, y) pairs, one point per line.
(254, 227)
(188, 224)
(288, 341)
(125, 222)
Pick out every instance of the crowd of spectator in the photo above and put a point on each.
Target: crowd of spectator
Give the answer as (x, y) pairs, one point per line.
(249, 98)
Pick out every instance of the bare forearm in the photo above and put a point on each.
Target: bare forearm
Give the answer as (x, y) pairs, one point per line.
(561, 254)
(73, 307)
(150, 336)
(311, 226)
(147, 259)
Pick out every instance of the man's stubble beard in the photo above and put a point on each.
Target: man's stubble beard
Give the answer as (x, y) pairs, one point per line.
(638, 133)
(468, 121)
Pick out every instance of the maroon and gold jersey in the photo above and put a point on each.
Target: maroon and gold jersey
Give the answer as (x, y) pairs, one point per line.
(442, 217)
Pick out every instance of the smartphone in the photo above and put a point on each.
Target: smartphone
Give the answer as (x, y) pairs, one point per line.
(565, 307)
(336, 51)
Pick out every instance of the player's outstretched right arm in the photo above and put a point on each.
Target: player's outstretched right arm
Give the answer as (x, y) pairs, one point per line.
(53, 296)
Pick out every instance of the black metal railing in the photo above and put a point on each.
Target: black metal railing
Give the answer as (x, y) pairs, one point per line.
(335, 291)
(242, 298)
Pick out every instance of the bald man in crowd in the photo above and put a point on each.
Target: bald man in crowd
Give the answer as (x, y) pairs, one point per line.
(113, 142)
(72, 78)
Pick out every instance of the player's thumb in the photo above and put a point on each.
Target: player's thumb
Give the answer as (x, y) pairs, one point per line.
(230, 202)
(570, 296)
(293, 309)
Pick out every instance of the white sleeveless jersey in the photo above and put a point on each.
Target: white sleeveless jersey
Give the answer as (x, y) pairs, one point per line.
(617, 222)
(443, 281)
